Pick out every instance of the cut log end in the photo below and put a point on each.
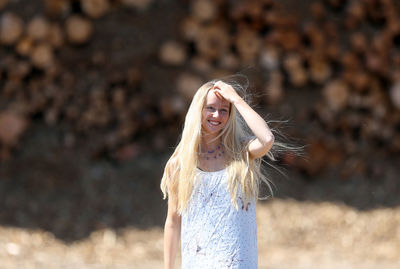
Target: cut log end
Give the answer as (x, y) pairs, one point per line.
(38, 29)
(42, 56)
(173, 53)
(95, 8)
(12, 127)
(188, 84)
(78, 29)
(11, 28)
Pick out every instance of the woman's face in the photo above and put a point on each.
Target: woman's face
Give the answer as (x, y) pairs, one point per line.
(215, 113)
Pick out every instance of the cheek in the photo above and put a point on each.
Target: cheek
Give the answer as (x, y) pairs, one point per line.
(225, 118)
(203, 115)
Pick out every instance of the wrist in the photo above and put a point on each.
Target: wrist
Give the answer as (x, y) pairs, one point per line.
(237, 101)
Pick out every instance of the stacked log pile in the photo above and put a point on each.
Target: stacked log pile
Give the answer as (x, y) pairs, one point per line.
(346, 52)
(38, 84)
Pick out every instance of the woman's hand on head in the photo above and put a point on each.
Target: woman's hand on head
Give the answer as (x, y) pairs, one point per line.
(226, 91)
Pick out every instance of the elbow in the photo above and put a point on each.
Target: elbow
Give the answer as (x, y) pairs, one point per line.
(261, 146)
(272, 139)
(172, 226)
(173, 222)
(269, 141)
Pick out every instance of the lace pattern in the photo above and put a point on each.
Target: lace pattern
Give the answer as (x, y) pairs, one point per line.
(214, 233)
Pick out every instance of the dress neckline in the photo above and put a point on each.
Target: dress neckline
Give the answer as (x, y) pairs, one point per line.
(210, 172)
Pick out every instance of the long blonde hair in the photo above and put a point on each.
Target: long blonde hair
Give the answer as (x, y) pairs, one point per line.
(244, 174)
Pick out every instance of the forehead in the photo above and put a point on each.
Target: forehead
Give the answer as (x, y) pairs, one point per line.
(212, 99)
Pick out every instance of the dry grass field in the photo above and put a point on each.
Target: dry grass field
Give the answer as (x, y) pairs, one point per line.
(291, 234)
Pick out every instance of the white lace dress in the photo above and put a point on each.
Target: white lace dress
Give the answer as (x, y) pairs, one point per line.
(214, 234)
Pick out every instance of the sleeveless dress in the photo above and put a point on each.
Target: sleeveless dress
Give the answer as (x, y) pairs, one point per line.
(214, 234)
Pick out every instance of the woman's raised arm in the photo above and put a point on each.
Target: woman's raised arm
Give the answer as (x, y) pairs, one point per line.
(264, 140)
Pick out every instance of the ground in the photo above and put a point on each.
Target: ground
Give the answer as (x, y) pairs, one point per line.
(291, 234)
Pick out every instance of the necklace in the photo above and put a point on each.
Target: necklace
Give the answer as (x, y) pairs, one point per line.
(215, 153)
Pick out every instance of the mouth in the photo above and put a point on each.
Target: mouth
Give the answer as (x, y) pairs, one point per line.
(214, 123)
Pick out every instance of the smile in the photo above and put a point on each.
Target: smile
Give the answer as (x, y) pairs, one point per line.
(215, 123)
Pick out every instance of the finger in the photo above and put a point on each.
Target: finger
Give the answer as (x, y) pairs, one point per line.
(217, 86)
(219, 95)
(216, 92)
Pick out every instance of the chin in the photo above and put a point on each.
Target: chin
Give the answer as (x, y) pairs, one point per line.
(213, 131)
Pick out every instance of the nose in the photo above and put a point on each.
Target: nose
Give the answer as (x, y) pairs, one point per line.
(216, 113)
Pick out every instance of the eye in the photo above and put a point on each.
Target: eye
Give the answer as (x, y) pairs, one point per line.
(224, 110)
(210, 108)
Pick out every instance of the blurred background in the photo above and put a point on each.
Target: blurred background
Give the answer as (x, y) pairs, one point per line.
(93, 97)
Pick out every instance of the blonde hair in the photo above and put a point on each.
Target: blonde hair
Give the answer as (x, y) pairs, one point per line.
(244, 174)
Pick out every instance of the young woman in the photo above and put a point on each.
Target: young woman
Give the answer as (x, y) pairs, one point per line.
(212, 182)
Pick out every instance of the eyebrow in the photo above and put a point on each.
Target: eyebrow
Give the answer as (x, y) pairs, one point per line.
(213, 104)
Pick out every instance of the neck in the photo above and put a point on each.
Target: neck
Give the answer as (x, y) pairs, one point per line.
(211, 151)
(208, 142)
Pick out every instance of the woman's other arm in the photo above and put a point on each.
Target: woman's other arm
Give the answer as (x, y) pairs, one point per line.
(172, 234)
